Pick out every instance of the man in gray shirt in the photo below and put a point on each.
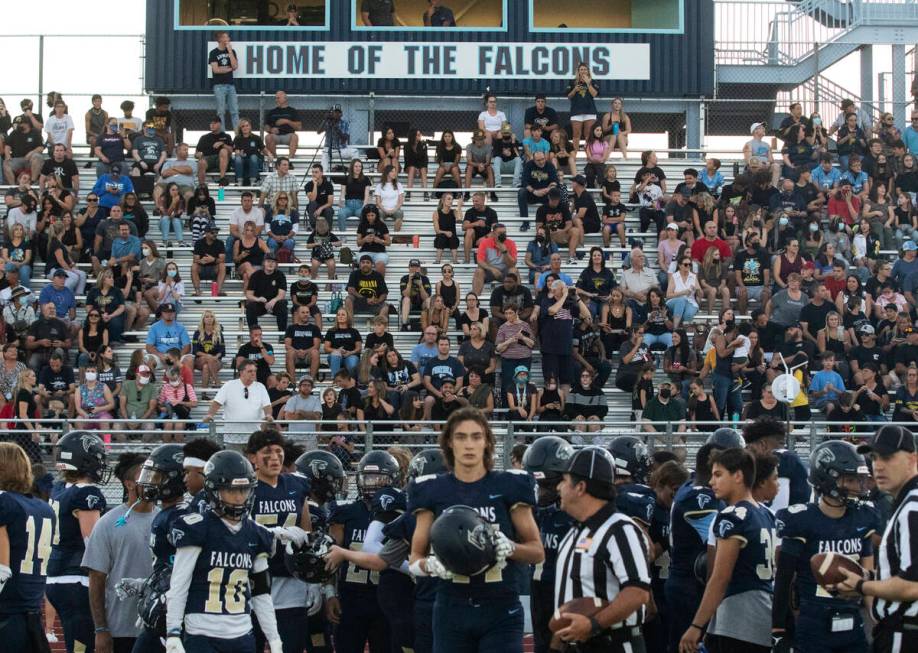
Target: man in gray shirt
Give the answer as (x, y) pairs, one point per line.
(478, 162)
(118, 549)
(304, 405)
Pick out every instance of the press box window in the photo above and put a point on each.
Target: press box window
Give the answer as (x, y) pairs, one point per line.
(207, 14)
(409, 14)
(608, 15)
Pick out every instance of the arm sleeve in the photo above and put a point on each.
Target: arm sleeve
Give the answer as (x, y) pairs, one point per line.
(182, 570)
(373, 541)
(784, 577)
(263, 606)
(395, 553)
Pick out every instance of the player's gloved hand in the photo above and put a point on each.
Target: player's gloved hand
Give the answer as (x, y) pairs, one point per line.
(276, 646)
(313, 599)
(286, 534)
(505, 547)
(5, 574)
(128, 587)
(435, 568)
(174, 645)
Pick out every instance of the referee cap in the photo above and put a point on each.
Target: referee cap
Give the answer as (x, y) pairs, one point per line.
(888, 440)
(596, 466)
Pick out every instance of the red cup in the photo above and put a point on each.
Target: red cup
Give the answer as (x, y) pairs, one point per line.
(214, 290)
(416, 241)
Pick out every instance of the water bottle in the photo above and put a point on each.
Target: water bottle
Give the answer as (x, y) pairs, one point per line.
(735, 420)
(220, 194)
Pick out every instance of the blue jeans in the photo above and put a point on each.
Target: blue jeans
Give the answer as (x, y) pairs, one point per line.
(682, 308)
(662, 339)
(116, 328)
(727, 396)
(351, 209)
(246, 167)
(499, 165)
(273, 245)
(25, 275)
(225, 95)
(335, 361)
(176, 226)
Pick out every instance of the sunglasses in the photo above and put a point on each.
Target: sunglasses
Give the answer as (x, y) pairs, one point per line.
(92, 199)
(246, 392)
(94, 315)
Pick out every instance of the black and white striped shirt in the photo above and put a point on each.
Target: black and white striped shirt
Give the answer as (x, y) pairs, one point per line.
(898, 555)
(600, 557)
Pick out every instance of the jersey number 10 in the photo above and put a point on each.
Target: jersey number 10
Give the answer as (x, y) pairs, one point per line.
(233, 591)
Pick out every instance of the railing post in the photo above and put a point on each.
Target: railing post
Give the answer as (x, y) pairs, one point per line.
(670, 436)
(814, 435)
(371, 117)
(41, 72)
(261, 113)
(368, 440)
(508, 444)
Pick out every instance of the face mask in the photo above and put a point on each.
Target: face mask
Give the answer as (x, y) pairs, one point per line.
(783, 221)
(146, 251)
(149, 133)
(143, 380)
(304, 277)
(172, 273)
(175, 384)
(664, 393)
(814, 227)
(90, 376)
(756, 223)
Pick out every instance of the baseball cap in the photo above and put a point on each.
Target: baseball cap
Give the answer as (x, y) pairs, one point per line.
(593, 464)
(809, 265)
(59, 273)
(366, 257)
(414, 263)
(867, 329)
(270, 257)
(755, 126)
(673, 226)
(307, 378)
(143, 369)
(844, 182)
(580, 179)
(499, 225)
(168, 307)
(909, 246)
(889, 439)
(505, 128)
(115, 167)
(554, 193)
(793, 325)
(477, 134)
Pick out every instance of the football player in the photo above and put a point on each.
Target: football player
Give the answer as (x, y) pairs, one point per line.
(836, 522)
(547, 460)
(355, 610)
(78, 503)
(27, 528)
(281, 505)
(197, 453)
(767, 435)
(161, 479)
(220, 574)
(737, 599)
(481, 612)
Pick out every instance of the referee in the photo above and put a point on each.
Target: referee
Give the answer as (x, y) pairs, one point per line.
(895, 606)
(604, 555)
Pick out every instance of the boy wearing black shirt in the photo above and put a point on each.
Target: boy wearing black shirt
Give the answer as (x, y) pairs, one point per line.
(613, 219)
(301, 343)
(213, 151)
(267, 293)
(367, 290)
(541, 115)
(478, 222)
(348, 394)
(303, 292)
(867, 351)
(259, 351)
(209, 260)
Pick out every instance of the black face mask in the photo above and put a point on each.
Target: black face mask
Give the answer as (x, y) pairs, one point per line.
(664, 393)
(729, 324)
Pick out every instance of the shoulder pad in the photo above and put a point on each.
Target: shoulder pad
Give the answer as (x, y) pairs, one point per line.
(342, 503)
(425, 477)
(192, 518)
(516, 471)
(797, 507)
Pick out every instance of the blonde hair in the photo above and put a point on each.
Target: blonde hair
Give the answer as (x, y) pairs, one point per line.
(286, 196)
(15, 469)
(218, 330)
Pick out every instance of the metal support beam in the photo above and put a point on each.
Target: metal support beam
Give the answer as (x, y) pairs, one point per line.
(867, 95)
(41, 73)
(898, 83)
(693, 128)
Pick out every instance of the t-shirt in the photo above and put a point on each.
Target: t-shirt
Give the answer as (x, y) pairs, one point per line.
(815, 316)
(251, 352)
(368, 286)
(215, 249)
(288, 113)
(355, 189)
(345, 339)
(439, 369)
(23, 143)
(487, 214)
(57, 128)
(207, 143)
(56, 381)
(267, 285)
(166, 336)
(548, 117)
(222, 59)
(302, 335)
(325, 191)
(379, 229)
(478, 153)
(751, 266)
(112, 146)
(302, 292)
(149, 149)
(380, 11)
(64, 171)
(590, 218)
(786, 310)
(554, 218)
(249, 145)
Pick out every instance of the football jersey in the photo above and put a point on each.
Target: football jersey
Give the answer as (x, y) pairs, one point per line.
(554, 524)
(805, 530)
(161, 540)
(198, 503)
(220, 583)
(402, 528)
(354, 517)
(793, 484)
(754, 525)
(30, 527)
(281, 505)
(318, 516)
(694, 508)
(67, 547)
(659, 534)
(637, 501)
(493, 496)
(387, 503)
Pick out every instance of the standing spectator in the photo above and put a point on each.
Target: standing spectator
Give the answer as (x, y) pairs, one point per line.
(752, 271)
(390, 196)
(266, 293)
(249, 153)
(506, 156)
(23, 149)
(320, 194)
(222, 61)
(557, 310)
(445, 218)
(581, 92)
(538, 178)
(95, 120)
(496, 258)
(116, 551)
(449, 153)
(25, 411)
(416, 160)
(279, 181)
(367, 290)
(356, 192)
(213, 152)
(245, 401)
(282, 122)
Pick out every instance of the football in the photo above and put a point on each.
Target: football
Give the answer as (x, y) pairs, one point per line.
(587, 606)
(827, 568)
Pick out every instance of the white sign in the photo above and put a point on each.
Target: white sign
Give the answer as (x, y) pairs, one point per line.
(401, 60)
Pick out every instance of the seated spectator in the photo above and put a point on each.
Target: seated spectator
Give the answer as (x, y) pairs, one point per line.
(586, 403)
(538, 178)
(134, 213)
(249, 252)
(138, 403)
(109, 301)
(166, 333)
(173, 216)
(343, 344)
(636, 282)
(56, 384)
(266, 293)
(18, 315)
(181, 171)
(586, 214)
(373, 235)
(477, 223)
(376, 407)
(388, 148)
(63, 299)
(535, 143)
(62, 171)
(92, 335)
(559, 224)
(322, 243)
(161, 118)
(171, 288)
(448, 156)
(249, 153)
(112, 187)
(681, 292)
(479, 394)
(439, 370)
(478, 161)
(94, 402)
(301, 343)
(712, 279)
(539, 253)
(213, 152)
(125, 255)
(26, 215)
(17, 253)
(348, 393)
(303, 292)
(279, 181)
(367, 290)
(356, 193)
(478, 352)
(304, 409)
(415, 292)
(148, 152)
(446, 402)
(785, 306)
(282, 122)
(22, 149)
(283, 224)
(496, 258)
(663, 411)
(597, 151)
(426, 348)
(521, 396)
(45, 335)
(176, 400)
(506, 156)
(321, 195)
(871, 395)
(448, 290)
(553, 272)
(445, 218)
(826, 384)
(110, 148)
(659, 327)
(257, 352)
(473, 313)
(390, 196)
(208, 348)
(589, 352)
(209, 261)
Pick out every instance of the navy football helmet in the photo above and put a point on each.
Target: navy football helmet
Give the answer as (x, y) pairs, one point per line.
(463, 541)
(229, 470)
(84, 452)
(726, 438)
(547, 459)
(325, 473)
(162, 475)
(632, 457)
(427, 461)
(832, 460)
(307, 561)
(376, 470)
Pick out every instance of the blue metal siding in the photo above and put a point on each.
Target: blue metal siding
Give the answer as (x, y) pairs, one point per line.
(682, 65)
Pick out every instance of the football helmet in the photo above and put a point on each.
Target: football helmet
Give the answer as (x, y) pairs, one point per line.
(463, 541)
(427, 461)
(84, 452)
(829, 462)
(162, 475)
(229, 470)
(325, 474)
(306, 561)
(547, 459)
(376, 470)
(632, 457)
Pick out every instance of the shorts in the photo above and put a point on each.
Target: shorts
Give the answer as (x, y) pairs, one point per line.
(18, 163)
(489, 276)
(446, 242)
(207, 272)
(283, 139)
(479, 173)
(313, 310)
(212, 161)
(136, 166)
(583, 117)
(591, 226)
(361, 306)
(754, 292)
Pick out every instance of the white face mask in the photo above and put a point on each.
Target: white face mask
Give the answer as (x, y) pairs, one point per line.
(146, 251)
(143, 380)
(175, 384)
(90, 376)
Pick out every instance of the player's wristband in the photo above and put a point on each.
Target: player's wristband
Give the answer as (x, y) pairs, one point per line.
(329, 592)
(701, 628)
(859, 586)
(102, 629)
(416, 570)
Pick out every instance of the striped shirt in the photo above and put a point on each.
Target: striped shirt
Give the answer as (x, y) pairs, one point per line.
(600, 557)
(898, 556)
(274, 184)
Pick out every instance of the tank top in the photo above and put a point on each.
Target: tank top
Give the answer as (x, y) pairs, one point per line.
(619, 322)
(256, 256)
(703, 412)
(561, 155)
(787, 268)
(97, 121)
(680, 285)
(448, 293)
(722, 365)
(835, 345)
(447, 221)
(759, 148)
(550, 397)
(92, 342)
